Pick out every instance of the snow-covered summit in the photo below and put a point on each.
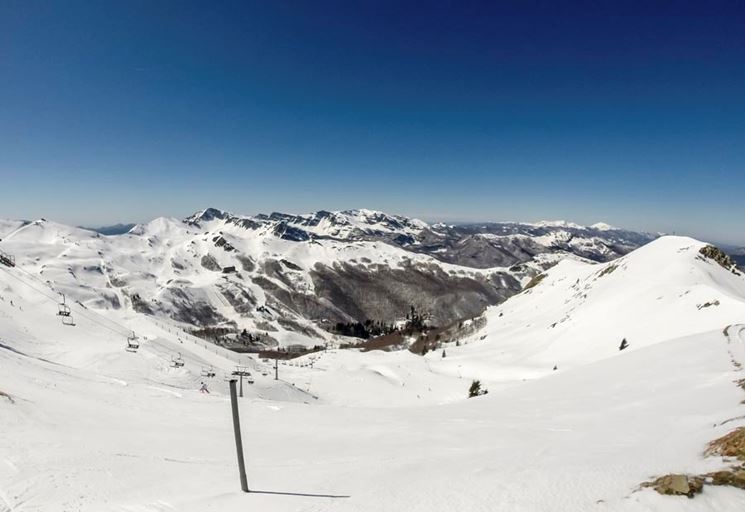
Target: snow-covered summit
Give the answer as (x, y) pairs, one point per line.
(558, 224)
(207, 215)
(602, 226)
(354, 224)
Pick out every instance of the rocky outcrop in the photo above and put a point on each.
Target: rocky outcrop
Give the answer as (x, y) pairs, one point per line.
(677, 485)
(210, 263)
(719, 256)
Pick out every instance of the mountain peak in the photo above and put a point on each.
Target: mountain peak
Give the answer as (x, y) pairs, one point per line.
(602, 226)
(207, 215)
(558, 224)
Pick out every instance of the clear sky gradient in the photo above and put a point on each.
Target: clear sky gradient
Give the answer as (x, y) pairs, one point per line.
(632, 113)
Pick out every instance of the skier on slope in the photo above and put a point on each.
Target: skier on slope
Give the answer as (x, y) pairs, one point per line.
(204, 389)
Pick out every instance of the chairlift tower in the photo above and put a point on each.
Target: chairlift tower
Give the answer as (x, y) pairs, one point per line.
(242, 371)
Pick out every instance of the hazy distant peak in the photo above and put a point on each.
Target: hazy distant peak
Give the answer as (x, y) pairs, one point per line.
(602, 226)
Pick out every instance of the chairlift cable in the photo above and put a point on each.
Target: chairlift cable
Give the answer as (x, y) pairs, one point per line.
(81, 313)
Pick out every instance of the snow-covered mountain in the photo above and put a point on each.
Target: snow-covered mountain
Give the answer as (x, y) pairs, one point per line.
(576, 313)
(116, 229)
(89, 426)
(290, 279)
(484, 245)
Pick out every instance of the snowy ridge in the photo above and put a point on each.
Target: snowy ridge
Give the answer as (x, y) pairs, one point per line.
(581, 312)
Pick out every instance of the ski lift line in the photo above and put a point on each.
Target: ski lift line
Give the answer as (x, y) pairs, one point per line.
(132, 342)
(29, 285)
(220, 351)
(81, 313)
(36, 278)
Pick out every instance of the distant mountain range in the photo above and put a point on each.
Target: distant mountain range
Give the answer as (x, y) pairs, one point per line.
(477, 245)
(293, 278)
(116, 229)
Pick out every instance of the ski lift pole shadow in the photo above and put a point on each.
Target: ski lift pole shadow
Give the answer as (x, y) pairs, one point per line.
(301, 494)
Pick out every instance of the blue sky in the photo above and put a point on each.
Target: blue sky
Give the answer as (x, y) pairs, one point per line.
(624, 112)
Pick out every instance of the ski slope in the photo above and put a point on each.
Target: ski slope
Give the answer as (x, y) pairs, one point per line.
(92, 427)
(580, 313)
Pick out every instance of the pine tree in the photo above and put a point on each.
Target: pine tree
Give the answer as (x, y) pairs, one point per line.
(475, 389)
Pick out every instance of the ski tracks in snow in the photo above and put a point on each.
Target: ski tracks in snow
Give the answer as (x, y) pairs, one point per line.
(168, 391)
(156, 506)
(735, 335)
(5, 504)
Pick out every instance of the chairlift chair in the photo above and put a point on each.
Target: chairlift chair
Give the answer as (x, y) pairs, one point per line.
(177, 362)
(242, 371)
(63, 308)
(7, 259)
(133, 342)
(208, 371)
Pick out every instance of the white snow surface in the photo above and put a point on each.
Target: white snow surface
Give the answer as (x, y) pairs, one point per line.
(92, 427)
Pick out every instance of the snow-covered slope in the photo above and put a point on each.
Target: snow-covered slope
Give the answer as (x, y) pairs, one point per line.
(577, 313)
(87, 426)
(92, 427)
(9, 226)
(289, 279)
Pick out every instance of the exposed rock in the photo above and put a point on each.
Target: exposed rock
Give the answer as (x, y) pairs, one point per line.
(733, 477)
(534, 282)
(190, 310)
(677, 485)
(608, 270)
(730, 445)
(719, 256)
(210, 263)
(707, 304)
(247, 263)
(240, 299)
(221, 242)
(140, 305)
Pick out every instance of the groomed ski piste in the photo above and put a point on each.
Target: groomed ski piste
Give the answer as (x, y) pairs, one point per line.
(86, 425)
